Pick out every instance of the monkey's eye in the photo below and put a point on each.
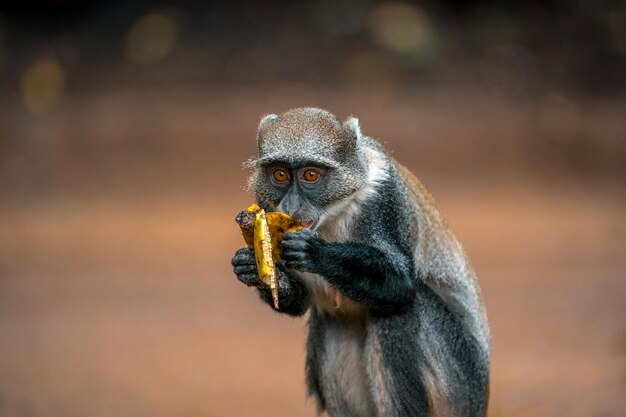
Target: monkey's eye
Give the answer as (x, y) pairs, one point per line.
(280, 175)
(311, 175)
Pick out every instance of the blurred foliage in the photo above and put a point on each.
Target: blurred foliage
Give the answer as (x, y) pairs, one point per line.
(576, 46)
(150, 39)
(42, 84)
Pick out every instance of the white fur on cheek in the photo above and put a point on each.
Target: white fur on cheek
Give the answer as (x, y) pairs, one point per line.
(336, 223)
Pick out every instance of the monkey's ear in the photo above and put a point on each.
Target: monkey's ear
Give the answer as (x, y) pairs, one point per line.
(266, 120)
(352, 125)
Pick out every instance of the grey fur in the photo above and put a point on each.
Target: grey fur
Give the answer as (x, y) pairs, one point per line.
(431, 360)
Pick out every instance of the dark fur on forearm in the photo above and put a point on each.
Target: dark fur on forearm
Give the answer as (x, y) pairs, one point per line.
(362, 272)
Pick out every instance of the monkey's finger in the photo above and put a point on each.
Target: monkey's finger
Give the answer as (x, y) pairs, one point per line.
(280, 265)
(245, 269)
(307, 232)
(297, 265)
(293, 235)
(242, 261)
(243, 256)
(293, 255)
(245, 252)
(293, 245)
(251, 280)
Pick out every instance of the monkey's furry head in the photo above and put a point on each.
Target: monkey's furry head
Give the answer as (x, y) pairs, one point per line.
(310, 137)
(306, 133)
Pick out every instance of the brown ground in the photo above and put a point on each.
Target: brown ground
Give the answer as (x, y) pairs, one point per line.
(116, 232)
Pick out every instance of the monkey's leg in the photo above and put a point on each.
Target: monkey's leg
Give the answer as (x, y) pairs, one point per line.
(293, 296)
(382, 280)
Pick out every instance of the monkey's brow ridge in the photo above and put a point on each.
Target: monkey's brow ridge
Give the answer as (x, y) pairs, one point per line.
(294, 162)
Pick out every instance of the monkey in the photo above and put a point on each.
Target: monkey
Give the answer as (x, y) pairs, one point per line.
(396, 322)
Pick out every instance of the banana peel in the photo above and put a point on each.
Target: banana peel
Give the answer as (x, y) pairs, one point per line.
(263, 232)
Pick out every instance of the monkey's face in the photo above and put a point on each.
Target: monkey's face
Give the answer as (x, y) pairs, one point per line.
(308, 161)
(299, 190)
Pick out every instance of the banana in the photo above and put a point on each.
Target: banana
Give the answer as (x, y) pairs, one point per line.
(263, 232)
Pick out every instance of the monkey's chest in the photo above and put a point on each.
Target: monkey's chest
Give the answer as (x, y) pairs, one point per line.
(344, 373)
(327, 299)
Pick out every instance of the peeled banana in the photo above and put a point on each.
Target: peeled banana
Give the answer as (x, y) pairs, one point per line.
(263, 232)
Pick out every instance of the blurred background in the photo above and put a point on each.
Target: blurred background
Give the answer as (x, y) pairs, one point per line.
(123, 126)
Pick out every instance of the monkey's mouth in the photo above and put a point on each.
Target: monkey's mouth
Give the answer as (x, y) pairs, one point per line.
(307, 224)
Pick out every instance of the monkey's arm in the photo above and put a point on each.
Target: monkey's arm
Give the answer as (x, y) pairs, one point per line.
(293, 297)
(382, 280)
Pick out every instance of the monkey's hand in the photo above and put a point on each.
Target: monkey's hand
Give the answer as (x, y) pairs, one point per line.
(300, 250)
(292, 294)
(244, 265)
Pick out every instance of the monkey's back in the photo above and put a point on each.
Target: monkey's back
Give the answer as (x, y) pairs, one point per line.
(452, 312)
(440, 256)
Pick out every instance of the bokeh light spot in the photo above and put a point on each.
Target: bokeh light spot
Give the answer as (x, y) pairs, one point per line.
(151, 39)
(42, 84)
(401, 28)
